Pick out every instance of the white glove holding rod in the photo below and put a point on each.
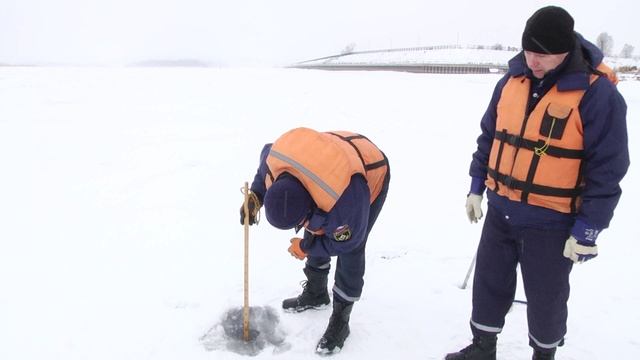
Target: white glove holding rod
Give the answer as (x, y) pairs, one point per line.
(474, 207)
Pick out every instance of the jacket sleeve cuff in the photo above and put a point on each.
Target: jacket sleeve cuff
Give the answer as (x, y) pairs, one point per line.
(584, 232)
(477, 186)
(307, 240)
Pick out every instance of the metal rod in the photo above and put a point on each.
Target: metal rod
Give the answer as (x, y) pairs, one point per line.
(466, 278)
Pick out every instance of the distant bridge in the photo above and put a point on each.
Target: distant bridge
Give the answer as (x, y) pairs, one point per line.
(445, 59)
(413, 68)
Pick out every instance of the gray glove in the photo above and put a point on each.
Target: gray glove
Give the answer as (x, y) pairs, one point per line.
(474, 208)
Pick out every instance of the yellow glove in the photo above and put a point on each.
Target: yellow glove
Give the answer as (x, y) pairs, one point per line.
(295, 250)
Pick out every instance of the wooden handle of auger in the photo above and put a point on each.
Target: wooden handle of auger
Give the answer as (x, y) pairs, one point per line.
(245, 309)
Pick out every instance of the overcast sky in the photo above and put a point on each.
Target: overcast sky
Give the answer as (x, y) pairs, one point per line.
(275, 31)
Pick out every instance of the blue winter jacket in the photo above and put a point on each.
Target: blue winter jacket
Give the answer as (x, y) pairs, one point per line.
(603, 113)
(351, 210)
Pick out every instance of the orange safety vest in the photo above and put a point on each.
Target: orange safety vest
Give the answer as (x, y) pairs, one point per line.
(538, 159)
(325, 161)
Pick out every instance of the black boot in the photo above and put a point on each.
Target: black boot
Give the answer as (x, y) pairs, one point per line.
(544, 355)
(314, 295)
(482, 348)
(338, 329)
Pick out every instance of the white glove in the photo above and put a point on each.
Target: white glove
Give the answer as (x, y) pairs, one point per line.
(474, 208)
(579, 252)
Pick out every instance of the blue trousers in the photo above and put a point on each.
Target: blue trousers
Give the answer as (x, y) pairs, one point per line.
(545, 275)
(349, 275)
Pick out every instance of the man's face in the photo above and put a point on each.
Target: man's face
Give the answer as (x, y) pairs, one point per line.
(541, 64)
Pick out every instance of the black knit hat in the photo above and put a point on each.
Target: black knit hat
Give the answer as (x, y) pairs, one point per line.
(549, 31)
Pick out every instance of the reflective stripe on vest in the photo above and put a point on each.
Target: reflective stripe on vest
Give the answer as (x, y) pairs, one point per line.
(325, 162)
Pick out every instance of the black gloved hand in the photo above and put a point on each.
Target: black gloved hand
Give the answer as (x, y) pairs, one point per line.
(254, 209)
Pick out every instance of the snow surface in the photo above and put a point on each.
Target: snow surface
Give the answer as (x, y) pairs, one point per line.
(119, 228)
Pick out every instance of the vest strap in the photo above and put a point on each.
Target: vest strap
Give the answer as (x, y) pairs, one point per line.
(366, 166)
(496, 188)
(376, 164)
(520, 142)
(515, 184)
(578, 183)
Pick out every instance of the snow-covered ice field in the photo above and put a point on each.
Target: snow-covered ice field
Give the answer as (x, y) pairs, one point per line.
(120, 235)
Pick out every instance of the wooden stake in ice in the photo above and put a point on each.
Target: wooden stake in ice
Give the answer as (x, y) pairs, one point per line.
(245, 309)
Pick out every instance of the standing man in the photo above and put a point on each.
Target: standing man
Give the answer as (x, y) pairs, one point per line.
(552, 153)
(333, 185)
